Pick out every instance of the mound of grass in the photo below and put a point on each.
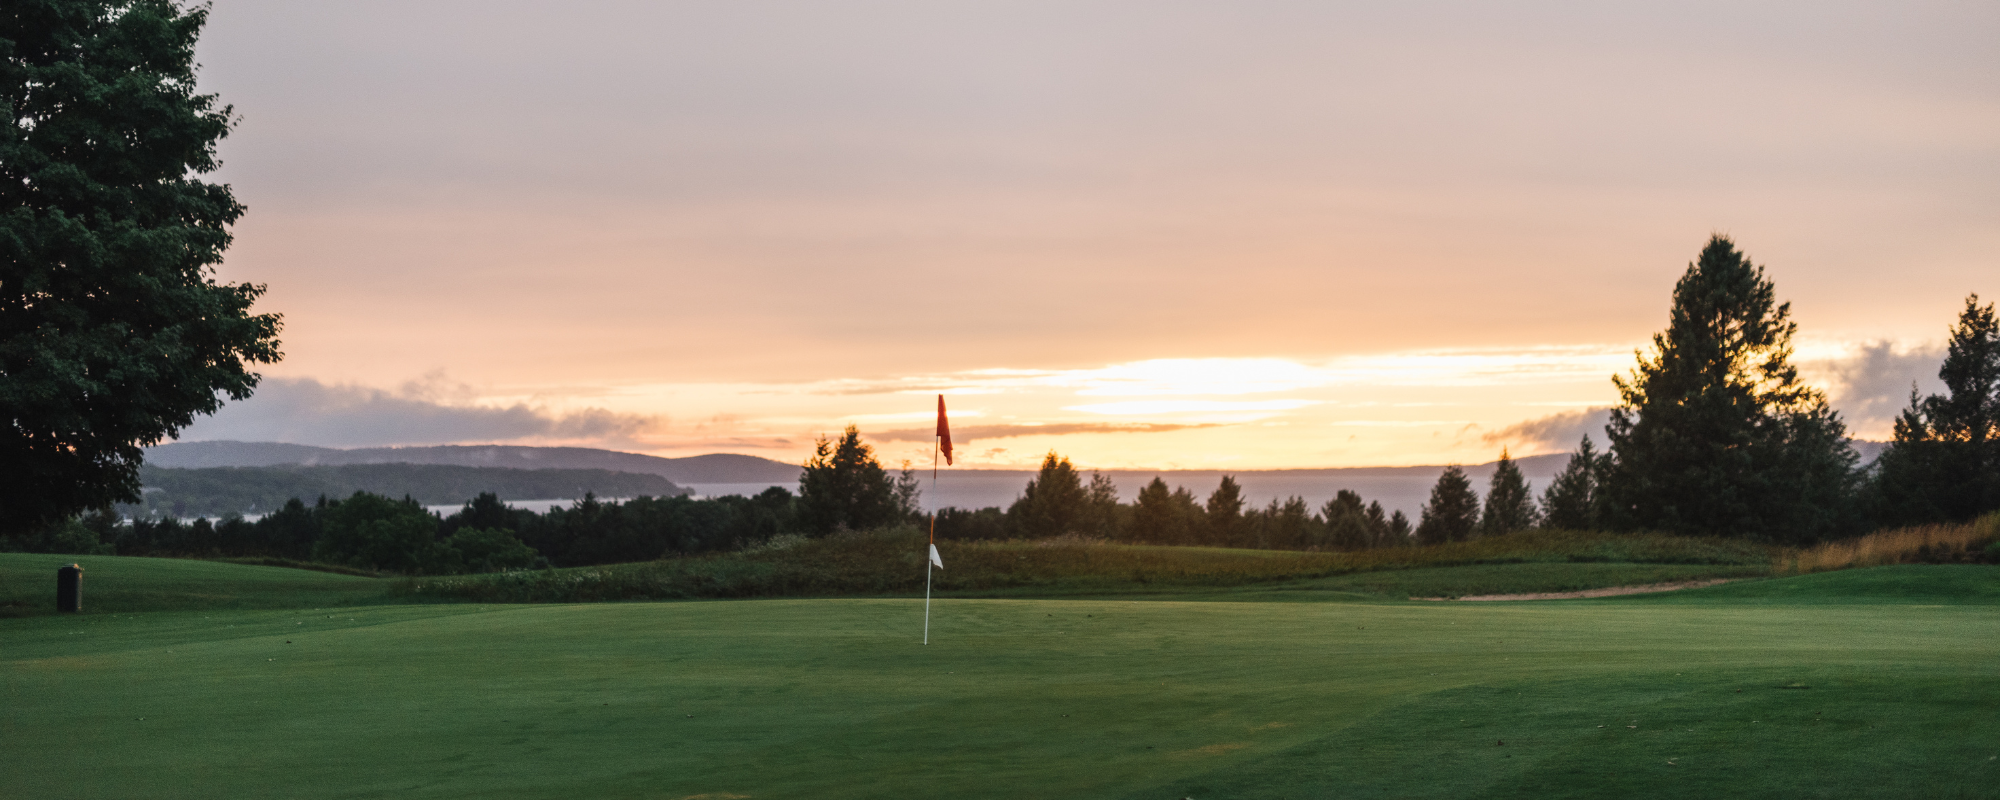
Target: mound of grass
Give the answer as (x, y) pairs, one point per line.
(1531, 578)
(1914, 584)
(891, 562)
(118, 584)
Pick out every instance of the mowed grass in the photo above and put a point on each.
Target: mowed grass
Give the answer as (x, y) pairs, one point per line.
(124, 584)
(1767, 688)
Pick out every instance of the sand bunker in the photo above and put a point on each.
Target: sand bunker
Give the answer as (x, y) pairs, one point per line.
(1605, 592)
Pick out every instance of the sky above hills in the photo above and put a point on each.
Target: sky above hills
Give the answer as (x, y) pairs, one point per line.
(1142, 234)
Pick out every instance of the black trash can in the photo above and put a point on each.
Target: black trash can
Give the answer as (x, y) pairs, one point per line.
(69, 589)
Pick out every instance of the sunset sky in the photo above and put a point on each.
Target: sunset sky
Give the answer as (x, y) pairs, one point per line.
(1147, 235)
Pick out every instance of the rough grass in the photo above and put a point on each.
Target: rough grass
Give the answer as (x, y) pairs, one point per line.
(1920, 544)
(891, 562)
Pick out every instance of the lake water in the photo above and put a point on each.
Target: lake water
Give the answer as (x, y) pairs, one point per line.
(1402, 489)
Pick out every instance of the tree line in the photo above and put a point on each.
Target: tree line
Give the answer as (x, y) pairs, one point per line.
(1715, 435)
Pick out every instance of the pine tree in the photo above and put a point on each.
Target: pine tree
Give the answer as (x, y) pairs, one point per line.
(1571, 500)
(1054, 502)
(1346, 521)
(843, 487)
(1944, 464)
(1400, 533)
(1224, 514)
(1154, 516)
(1452, 515)
(1283, 525)
(1510, 505)
(1716, 435)
(1101, 511)
(1382, 532)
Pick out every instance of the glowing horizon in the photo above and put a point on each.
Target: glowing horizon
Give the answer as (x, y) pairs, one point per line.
(1381, 410)
(1228, 235)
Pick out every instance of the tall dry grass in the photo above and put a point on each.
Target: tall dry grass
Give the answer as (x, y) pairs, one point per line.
(1921, 544)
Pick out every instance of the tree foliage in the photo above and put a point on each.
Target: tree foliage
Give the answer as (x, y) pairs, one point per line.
(1165, 516)
(1224, 513)
(1944, 464)
(1571, 501)
(843, 487)
(374, 532)
(1054, 503)
(113, 333)
(1510, 506)
(1716, 434)
(1452, 514)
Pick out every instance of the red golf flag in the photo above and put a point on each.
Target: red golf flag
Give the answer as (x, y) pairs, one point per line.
(944, 432)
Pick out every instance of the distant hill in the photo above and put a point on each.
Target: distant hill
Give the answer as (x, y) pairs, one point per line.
(1398, 488)
(216, 491)
(714, 468)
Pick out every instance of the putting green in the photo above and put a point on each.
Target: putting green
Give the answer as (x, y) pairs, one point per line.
(1013, 698)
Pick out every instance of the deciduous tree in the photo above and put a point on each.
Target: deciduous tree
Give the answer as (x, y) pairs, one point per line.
(113, 331)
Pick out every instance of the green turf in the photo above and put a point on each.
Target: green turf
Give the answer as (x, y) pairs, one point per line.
(1905, 585)
(121, 584)
(1024, 698)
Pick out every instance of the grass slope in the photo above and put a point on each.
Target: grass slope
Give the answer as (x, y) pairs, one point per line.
(1775, 692)
(891, 562)
(1941, 584)
(122, 584)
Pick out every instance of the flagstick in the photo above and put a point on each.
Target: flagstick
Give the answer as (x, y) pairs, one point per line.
(932, 543)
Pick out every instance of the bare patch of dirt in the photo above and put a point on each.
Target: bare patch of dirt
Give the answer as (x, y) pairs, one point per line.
(1610, 591)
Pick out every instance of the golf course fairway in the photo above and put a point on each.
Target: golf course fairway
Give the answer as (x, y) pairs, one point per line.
(1726, 692)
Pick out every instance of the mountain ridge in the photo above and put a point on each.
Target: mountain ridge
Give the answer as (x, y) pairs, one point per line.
(711, 468)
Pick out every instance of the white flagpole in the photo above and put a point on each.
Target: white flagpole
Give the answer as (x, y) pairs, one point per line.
(932, 542)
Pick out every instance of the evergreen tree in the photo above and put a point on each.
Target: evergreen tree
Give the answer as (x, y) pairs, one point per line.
(1102, 514)
(1286, 525)
(113, 333)
(1382, 533)
(843, 487)
(1945, 462)
(1572, 498)
(1715, 433)
(1224, 514)
(1400, 533)
(1452, 515)
(1510, 505)
(1154, 517)
(1054, 502)
(1347, 524)
(908, 493)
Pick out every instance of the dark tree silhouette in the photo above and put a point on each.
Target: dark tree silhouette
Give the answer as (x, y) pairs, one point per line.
(1452, 515)
(843, 487)
(1509, 504)
(1054, 502)
(1945, 461)
(1716, 434)
(1572, 498)
(113, 333)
